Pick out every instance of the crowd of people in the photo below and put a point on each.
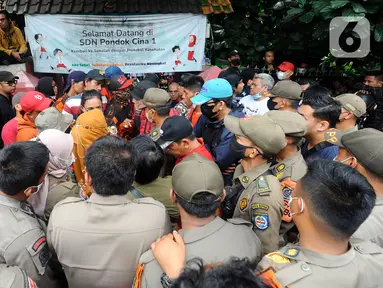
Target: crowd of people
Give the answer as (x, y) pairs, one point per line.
(265, 182)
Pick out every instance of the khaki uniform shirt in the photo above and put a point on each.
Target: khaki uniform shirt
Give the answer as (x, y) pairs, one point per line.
(59, 189)
(23, 242)
(372, 228)
(99, 241)
(215, 242)
(158, 190)
(14, 277)
(261, 203)
(288, 172)
(296, 267)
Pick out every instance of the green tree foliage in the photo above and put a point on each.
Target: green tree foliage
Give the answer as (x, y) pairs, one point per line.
(296, 29)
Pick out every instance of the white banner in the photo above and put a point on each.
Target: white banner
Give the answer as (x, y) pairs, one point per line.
(137, 44)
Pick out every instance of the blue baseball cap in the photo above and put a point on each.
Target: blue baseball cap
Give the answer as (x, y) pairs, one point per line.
(217, 88)
(113, 71)
(74, 76)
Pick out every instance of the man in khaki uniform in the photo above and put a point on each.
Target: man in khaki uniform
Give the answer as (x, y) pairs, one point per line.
(14, 277)
(198, 190)
(150, 159)
(157, 104)
(286, 95)
(22, 234)
(99, 241)
(328, 205)
(257, 139)
(363, 150)
(353, 107)
(291, 166)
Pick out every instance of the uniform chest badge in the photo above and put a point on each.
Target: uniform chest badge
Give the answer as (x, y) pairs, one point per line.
(243, 204)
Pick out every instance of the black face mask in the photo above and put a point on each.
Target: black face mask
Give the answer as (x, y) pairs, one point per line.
(236, 149)
(271, 104)
(208, 111)
(235, 62)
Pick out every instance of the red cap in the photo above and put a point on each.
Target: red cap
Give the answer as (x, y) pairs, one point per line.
(286, 66)
(34, 101)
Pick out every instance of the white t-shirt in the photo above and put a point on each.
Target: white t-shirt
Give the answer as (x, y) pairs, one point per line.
(254, 107)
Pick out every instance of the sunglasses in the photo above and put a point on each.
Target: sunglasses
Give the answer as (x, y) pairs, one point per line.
(11, 82)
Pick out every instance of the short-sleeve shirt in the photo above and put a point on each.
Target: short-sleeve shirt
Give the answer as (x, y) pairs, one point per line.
(254, 107)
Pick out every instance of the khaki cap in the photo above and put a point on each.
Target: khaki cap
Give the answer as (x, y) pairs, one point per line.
(367, 146)
(155, 97)
(196, 174)
(292, 123)
(353, 103)
(287, 89)
(264, 132)
(334, 136)
(52, 118)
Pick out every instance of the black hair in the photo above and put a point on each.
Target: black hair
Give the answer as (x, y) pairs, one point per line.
(234, 273)
(37, 36)
(191, 137)
(305, 81)
(175, 48)
(325, 107)
(90, 94)
(269, 50)
(294, 103)
(204, 205)
(317, 91)
(111, 162)
(56, 51)
(233, 78)
(339, 195)
(228, 101)
(296, 139)
(233, 53)
(22, 166)
(189, 80)
(247, 74)
(150, 159)
(375, 73)
(194, 88)
(6, 14)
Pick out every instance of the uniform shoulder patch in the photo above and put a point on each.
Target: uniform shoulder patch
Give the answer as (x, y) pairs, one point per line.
(291, 252)
(263, 186)
(261, 221)
(277, 257)
(243, 204)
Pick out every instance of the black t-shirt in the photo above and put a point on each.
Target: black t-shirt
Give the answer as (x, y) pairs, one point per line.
(6, 113)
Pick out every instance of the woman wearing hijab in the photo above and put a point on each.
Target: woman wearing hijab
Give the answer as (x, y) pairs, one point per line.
(57, 185)
(48, 87)
(89, 127)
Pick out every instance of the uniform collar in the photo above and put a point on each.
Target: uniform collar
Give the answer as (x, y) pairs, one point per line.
(379, 200)
(108, 200)
(10, 202)
(199, 233)
(246, 178)
(285, 164)
(317, 259)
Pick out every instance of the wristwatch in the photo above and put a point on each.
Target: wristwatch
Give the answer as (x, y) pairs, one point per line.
(166, 281)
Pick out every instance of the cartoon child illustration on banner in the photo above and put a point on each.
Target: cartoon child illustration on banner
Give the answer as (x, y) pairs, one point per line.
(58, 53)
(192, 43)
(39, 40)
(177, 52)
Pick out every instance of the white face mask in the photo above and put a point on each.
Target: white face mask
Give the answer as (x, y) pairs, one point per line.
(281, 75)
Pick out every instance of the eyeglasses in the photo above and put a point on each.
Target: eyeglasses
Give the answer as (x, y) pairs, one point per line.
(3, 19)
(10, 82)
(173, 91)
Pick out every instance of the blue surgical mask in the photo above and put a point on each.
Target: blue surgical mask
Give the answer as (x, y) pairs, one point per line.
(257, 96)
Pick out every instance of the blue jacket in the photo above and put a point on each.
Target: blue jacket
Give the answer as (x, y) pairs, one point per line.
(219, 148)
